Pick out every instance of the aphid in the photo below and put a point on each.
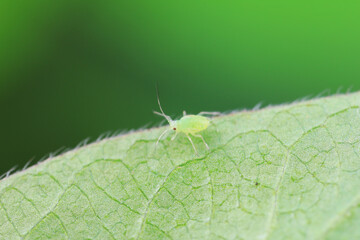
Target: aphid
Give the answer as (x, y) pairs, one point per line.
(188, 124)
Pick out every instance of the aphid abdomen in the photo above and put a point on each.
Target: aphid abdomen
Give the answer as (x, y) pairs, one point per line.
(192, 124)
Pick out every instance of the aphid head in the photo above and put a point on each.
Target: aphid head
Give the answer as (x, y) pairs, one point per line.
(173, 125)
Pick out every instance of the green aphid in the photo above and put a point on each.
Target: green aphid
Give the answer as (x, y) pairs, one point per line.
(188, 124)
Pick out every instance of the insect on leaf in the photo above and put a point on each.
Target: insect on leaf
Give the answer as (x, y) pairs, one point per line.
(287, 172)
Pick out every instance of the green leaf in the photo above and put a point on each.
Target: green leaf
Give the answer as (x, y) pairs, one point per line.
(287, 172)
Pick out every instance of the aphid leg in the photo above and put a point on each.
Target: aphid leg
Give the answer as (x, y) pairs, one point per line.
(173, 137)
(184, 113)
(187, 135)
(210, 113)
(202, 138)
(161, 135)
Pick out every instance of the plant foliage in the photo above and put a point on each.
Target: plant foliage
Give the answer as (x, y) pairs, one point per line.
(286, 172)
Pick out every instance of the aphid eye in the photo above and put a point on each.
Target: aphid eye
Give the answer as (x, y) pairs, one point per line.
(174, 129)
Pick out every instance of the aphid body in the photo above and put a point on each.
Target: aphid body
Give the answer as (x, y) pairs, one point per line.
(188, 124)
(191, 124)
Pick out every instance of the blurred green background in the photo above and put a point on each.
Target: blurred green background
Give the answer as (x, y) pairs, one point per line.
(76, 69)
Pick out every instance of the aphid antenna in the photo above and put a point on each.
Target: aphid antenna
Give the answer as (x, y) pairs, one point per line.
(168, 118)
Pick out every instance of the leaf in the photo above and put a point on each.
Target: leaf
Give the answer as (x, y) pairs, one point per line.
(287, 172)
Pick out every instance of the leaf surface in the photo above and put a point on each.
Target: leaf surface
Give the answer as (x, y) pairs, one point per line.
(286, 172)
